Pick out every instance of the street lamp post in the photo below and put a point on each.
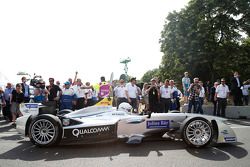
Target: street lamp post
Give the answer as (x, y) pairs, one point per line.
(125, 62)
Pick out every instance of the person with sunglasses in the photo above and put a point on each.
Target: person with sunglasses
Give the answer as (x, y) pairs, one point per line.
(54, 94)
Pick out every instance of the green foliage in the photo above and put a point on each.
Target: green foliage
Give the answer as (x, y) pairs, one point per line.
(207, 39)
(149, 75)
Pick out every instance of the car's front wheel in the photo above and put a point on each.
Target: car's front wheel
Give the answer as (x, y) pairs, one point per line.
(198, 132)
(45, 130)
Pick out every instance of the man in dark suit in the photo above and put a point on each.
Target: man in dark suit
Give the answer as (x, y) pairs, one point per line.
(212, 99)
(25, 90)
(236, 84)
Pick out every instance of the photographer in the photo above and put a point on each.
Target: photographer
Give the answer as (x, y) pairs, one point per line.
(193, 98)
(153, 96)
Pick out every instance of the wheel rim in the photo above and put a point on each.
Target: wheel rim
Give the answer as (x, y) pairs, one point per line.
(198, 132)
(43, 131)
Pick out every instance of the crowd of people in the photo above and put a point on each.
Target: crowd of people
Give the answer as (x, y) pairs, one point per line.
(72, 95)
(155, 96)
(218, 94)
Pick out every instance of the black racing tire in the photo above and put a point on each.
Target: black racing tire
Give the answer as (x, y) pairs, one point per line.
(45, 130)
(198, 132)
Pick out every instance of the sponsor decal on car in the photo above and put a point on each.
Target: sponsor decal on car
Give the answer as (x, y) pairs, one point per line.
(119, 114)
(157, 124)
(230, 139)
(29, 106)
(77, 132)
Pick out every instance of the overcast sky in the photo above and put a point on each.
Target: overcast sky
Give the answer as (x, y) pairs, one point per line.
(56, 38)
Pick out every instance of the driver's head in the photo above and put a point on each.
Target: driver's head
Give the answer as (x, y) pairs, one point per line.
(125, 107)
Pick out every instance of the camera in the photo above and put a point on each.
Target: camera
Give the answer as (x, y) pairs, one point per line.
(37, 82)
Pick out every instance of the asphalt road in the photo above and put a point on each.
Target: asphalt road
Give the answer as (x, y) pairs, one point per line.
(16, 151)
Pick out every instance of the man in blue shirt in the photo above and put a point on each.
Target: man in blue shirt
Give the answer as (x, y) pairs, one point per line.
(6, 110)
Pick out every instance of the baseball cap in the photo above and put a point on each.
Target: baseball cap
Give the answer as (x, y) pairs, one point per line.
(67, 83)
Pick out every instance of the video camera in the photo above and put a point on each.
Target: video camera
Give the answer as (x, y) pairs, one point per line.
(37, 82)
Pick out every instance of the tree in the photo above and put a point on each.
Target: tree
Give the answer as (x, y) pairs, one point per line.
(149, 75)
(206, 39)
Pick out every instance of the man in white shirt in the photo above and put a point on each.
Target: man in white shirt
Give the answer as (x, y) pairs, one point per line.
(120, 93)
(245, 92)
(174, 95)
(221, 95)
(132, 93)
(165, 96)
(80, 93)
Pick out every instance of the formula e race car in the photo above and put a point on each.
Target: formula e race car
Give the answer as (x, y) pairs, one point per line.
(105, 123)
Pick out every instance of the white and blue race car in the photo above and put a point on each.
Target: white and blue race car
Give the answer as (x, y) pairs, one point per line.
(105, 123)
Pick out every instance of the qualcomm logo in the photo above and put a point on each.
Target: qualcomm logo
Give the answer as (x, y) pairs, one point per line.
(77, 132)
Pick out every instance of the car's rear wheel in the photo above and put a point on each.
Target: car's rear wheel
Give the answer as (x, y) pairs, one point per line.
(45, 130)
(198, 132)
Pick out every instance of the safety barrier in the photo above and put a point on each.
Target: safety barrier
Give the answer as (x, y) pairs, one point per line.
(231, 111)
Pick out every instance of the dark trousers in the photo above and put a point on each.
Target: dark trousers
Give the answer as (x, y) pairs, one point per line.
(6, 111)
(222, 103)
(80, 103)
(237, 97)
(90, 102)
(199, 108)
(165, 104)
(120, 100)
(133, 103)
(154, 106)
(215, 103)
(26, 99)
(192, 103)
(178, 105)
(246, 99)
